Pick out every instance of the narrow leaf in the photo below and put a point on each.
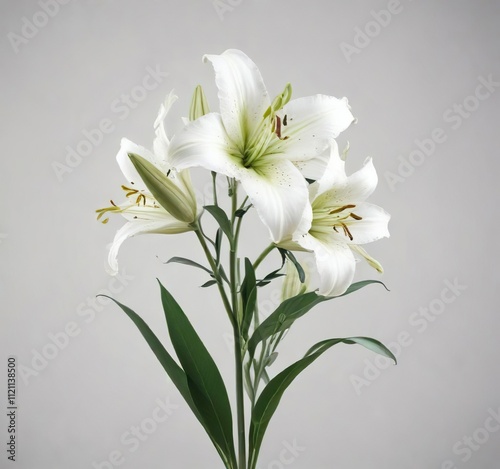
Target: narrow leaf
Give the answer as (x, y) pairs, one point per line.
(222, 219)
(358, 285)
(292, 309)
(209, 283)
(173, 370)
(204, 379)
(283, 317)
(248, 296)
(183, 260)
(270, 397)
(293, 259)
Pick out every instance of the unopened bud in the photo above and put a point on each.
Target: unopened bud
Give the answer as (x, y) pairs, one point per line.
(199, 104)
(164, 190)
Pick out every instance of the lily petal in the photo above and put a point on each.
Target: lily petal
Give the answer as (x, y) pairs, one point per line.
(161, 141)
(335, 263)
(354, 189)
(279, 193)
(242, 94)
(204, 142)
(371, 227)
(134, 228)
(372, 261)
(311, 123)
(128, 169)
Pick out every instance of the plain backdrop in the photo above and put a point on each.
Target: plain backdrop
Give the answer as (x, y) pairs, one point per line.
(423, 80)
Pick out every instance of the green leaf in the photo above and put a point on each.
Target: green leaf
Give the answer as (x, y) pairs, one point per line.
(271, 395)
(283, 317)
(270, 276)
(174, 371)
(222, 219)
(358, 285)
(248, 296)
(204, 379)
(241, 211)
(209, 283)
(183, 260)
(295, 262)
(218, 244)
(292, 309)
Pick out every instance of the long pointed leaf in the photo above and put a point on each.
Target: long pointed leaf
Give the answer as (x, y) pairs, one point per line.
(183, 260)
(221, 218)
(204, 379)
(270, 397)
(248, 296)
(292, 309)
(358, 285)
(174, 371)
(283, 317)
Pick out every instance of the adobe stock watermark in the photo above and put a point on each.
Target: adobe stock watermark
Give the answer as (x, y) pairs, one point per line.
(454, 117)
(419, 321)
(468, 445)
(120, 108)
(30, 27)
(136, 435)
(364, 36)
(225, 6)
(59, 340)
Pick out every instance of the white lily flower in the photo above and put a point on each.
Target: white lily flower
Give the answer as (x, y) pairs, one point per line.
(141, 210)
(338, 221)
(261, 143)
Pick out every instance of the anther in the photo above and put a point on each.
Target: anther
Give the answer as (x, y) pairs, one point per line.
(341, 209)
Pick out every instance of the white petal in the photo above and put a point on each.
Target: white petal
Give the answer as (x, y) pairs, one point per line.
(311, 123)
(128, 169)
(161, 141)
(352, 190)
(134, 228)
(242, 94)
(372, 227)
(315, 167)
(335, 263)
(334, 172)
(204, 142)
(279, 193)
(372, 261)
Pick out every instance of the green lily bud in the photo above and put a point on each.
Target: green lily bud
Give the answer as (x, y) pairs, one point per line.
(199, 104)
(170, 196)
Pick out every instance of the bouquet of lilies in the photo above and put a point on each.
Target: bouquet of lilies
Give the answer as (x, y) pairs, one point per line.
(280, 158)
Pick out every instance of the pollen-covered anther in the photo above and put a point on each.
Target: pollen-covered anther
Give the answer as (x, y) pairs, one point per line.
(341, 209)
(139, 198)
(347, 232)
(356, 217)
(100, 212)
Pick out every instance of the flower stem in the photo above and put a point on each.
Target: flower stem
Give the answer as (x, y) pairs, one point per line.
(263, 255)
(233, 264)
(215, 270)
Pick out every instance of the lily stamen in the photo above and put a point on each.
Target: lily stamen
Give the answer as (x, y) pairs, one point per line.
(346, 231)
(341, 209)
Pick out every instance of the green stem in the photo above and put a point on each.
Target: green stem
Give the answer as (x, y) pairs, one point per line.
(215, 270)
(214, 183)
(233, 264)
(263, 255)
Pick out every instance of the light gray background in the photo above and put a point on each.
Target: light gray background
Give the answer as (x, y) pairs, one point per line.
(402, 85)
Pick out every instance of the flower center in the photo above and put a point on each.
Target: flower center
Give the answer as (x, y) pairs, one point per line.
(267, 134)
(338, 218)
